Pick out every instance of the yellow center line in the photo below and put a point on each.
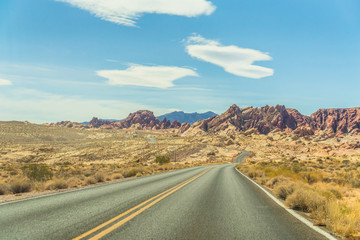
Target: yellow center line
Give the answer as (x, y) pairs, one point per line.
(115, 226)
(137, 206)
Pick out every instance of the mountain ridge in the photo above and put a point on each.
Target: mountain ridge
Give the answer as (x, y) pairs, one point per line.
(183, 117)
(263, 120)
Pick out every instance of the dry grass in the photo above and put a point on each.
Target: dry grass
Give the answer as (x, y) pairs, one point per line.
(80, 157)
(3, 189)
(57, 183)
(306, 200)
(317, 175)
(283, 190)
(99, 177)
(20, 185)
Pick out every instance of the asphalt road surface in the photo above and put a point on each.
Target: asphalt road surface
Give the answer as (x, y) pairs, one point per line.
(195, 203)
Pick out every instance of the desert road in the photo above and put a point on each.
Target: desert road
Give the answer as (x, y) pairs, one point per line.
(209, 202)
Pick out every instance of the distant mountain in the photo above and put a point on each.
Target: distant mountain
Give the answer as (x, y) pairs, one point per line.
(141, 120)
(182, 117)
(263, 120)
(105, 120)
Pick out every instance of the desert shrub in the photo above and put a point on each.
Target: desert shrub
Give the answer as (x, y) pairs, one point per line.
(117, 176)
(20, 185)
(99, 177)
(305, 200)
(74, 182)
(90, 180)
(38, 172)
(283, 190)
(58, 183)
(3, 189)
(253, 173)
(355, 183)
(130, 173)
(346, 162)
(332, 193)
(271, 182)
(312, 177)
(343, 218)
(162, 159)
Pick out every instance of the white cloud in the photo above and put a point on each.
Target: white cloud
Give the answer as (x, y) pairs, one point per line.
(39, 107)
(146, 76)
(126, 12)
(4, 82)
(234, 60)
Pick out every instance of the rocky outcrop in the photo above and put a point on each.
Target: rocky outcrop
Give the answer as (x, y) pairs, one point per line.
(235, 119)
(337, 121)
(68, 124)
(96, 123)
(266, 119)
(328, 122)
(141, 120)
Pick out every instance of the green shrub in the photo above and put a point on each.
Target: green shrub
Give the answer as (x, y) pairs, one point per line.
(162, 159)
(38, 172)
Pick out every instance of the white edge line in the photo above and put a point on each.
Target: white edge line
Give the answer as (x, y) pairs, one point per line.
(292, 212)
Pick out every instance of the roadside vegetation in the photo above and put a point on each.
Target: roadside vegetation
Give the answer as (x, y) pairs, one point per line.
(37, 158)
(324, 184)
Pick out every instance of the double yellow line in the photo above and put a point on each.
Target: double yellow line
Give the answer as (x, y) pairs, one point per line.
(152, 201)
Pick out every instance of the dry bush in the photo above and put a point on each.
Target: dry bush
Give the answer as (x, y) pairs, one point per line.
(3, 189)
(74, 182)
(117, 176)
(130, 173)
(284, 189)
(90, 180)
(343, 218)
(275, 181)
(20, 185)
(312, 177)
(254, 173)
(306, 200)
(57, 183)
(99, 177)
(38, 186)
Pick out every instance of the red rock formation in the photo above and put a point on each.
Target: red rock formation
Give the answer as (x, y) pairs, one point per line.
(263, 119)
(68, 124)
(96, 123)
(142, 119)
(338, 121)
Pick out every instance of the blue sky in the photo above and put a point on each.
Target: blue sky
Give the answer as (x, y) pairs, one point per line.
(74, 59)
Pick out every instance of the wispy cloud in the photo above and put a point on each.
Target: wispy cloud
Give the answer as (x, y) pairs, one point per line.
(126, 12)
(4, 82)
(146, 76)
(234, 60)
